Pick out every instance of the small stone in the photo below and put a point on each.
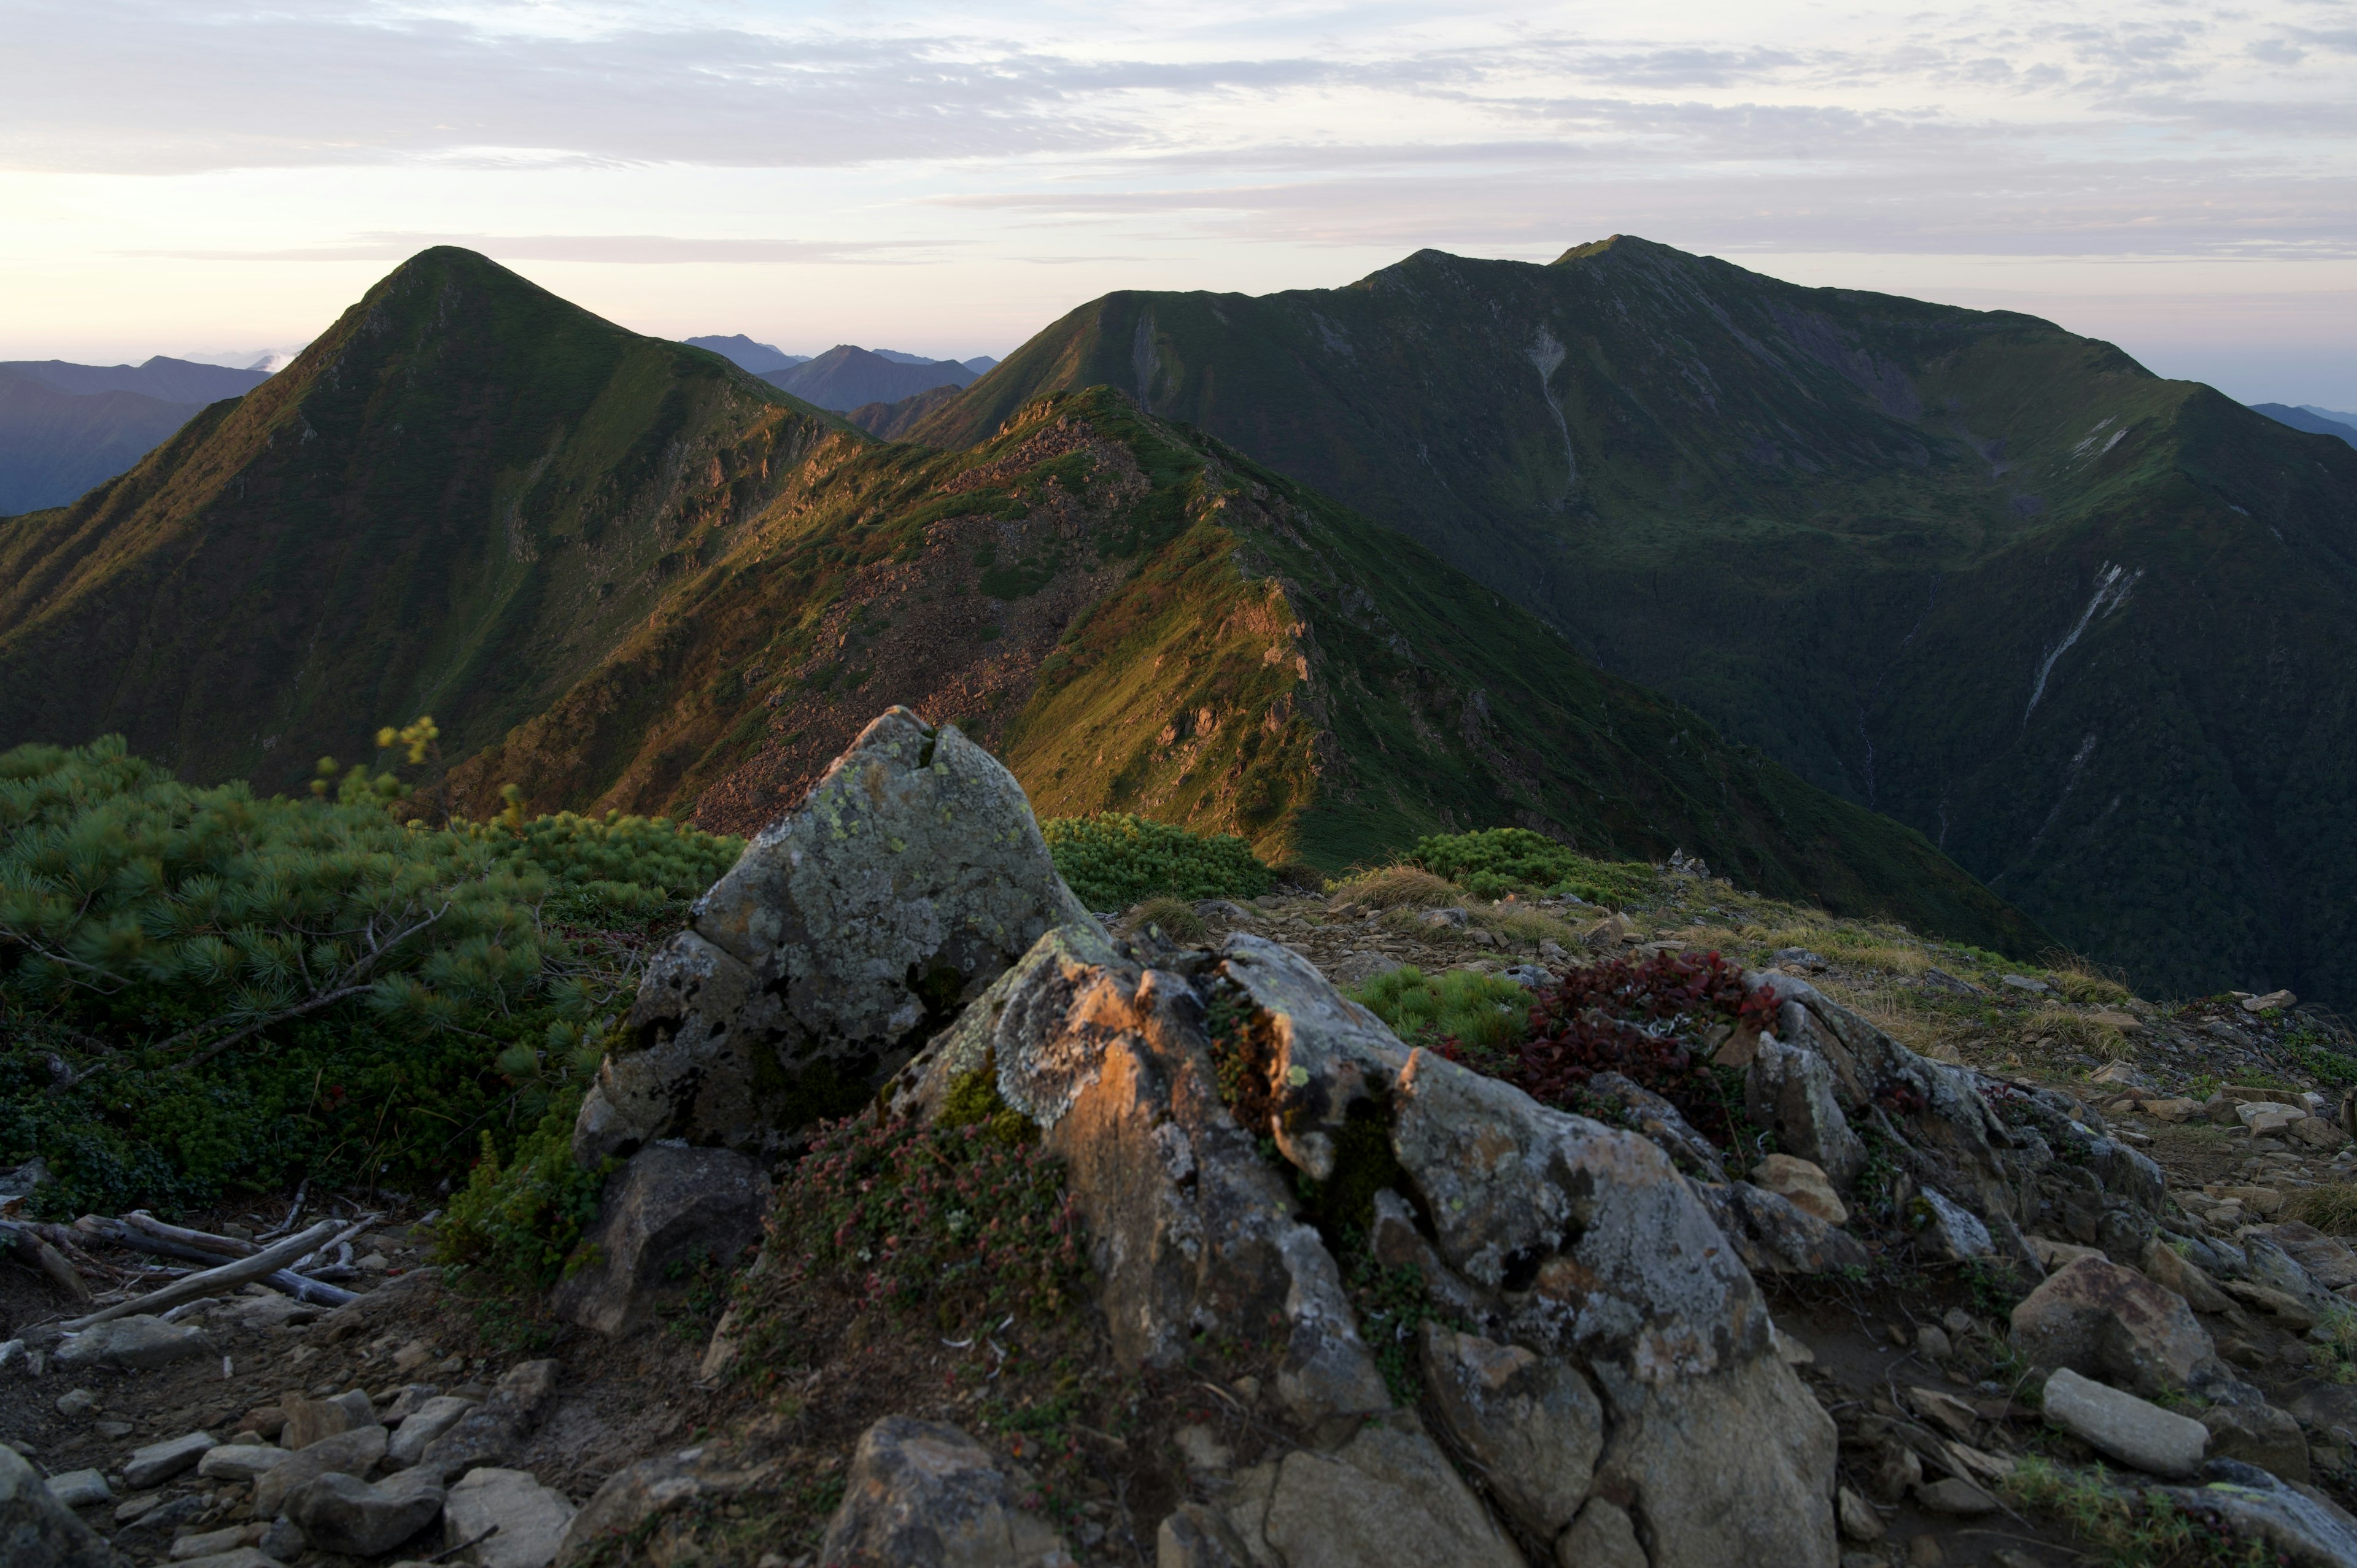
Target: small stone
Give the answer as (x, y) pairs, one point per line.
(112, 1430)
(310, 1421)
(1946, 1228)
(1933, 1343)
(2172, 1110)
(81, 1489)
(161, 1461)
(351, 1452)
(2318, 1134)
(130, 1508)
(2022, 983)
(2133, 1431)
(1923, 1551)
(423, 1425)
(344, 1514)
(1200, 1447)
(1955, 1495)
(531, 1519)
(136, 1343)
(408, 1403)
(241, 1461)
(2257, 1435)
(214, 1542)
(76, 1402)
(1959, 1322)
(2273, 1000)
(266, 1421)
(1803, 1184)
(1896, 1472)
(283, 1540)
(1857, 1516)
(411, 1357)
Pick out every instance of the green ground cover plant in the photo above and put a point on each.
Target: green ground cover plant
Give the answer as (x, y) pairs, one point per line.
(205, 989)
(1484, 1014)
(1114, 859)
(1493, 862)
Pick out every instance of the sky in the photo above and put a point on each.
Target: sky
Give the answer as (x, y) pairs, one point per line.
(183, 176)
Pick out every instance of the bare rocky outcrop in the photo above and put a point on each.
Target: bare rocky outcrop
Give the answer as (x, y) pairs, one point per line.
(849, 931)
(1610, 1309)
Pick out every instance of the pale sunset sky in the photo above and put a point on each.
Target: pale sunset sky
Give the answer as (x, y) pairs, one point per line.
(202, 175)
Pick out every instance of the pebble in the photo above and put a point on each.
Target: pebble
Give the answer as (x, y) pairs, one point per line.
(1954, 1495)
(76, 1402)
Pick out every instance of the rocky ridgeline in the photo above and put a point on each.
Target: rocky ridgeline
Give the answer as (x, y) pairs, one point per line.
(1598, 1380)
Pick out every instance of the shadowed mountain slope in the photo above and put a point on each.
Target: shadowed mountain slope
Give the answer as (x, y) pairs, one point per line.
(454, 501)
(1137, 618)
(2082, 627)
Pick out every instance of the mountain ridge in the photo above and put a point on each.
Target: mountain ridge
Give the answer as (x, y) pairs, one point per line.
(620, 571)
(1880, 539)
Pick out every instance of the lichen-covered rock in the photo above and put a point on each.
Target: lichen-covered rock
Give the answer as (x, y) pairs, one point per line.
(1189, 1229)
(667, 1207)
(1387, 1500)
(2304, 1527)
(1531, 1423)
(2105, 1321)
(923, 1495)
(1327, 1054)
(1774, 1235)
(847, 932)
(1790, 1090)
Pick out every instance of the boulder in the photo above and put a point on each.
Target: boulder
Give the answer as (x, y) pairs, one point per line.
(1603, 1536)
(667, 1206)
(81, 1489)
(240, 1461)
(531, 1519)
(2258, 1434)
(137, 1343)
(343, 1514)
(849, 931)
(37, 1530)
(2171, 1270)
(1803, 1184)
(308, 1421)
(1385, 1499)
(354, 1453)
(1190, 1231)
(923, 1495)
(2105, 1321)
(423, 1425)
(2305, 1528)
(159, 1461)
(1946, 1228)
(1790, 1090)
(2328, 1263)
(639, 1493)
(495, 1430)
(2133, 1431)
(1529, 1424)
(1773, 1234)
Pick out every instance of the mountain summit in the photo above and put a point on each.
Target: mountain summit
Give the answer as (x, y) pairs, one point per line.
(2080, 625)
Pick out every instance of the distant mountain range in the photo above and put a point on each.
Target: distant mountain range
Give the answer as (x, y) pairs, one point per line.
(745, 354)
(66, 427)
(767, 360)
(844, 377)
(622, 573)
(2084, 628)
(2315, 420)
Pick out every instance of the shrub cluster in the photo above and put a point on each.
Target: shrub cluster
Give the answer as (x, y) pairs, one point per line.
(1112, 859)
(1647, 1019)
(961, 1221)
(1493, 862)
(200, 988)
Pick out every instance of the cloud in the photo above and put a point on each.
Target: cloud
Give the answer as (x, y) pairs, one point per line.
(643, 249)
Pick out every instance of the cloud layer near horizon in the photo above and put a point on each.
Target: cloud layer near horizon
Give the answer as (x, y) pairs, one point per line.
(971, 136)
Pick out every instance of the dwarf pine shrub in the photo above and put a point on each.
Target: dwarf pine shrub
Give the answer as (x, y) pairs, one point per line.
(1493, 862)
(200, 987)
(1112, 859)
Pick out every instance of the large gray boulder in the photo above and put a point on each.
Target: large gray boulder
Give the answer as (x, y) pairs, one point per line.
(2105, 1321)
(35, 1530)
(923, 1495)
(847, 932)
(1617, 1327)
(668, 1206)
